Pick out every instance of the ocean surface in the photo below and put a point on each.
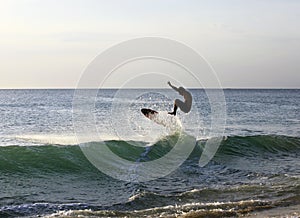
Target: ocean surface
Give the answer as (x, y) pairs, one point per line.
(255, 172)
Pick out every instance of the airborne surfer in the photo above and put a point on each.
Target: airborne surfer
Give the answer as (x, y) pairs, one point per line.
(184, 106)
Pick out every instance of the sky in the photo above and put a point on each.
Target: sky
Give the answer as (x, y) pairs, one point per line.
(249, 43)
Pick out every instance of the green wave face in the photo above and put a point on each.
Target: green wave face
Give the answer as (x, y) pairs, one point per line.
(52, 158)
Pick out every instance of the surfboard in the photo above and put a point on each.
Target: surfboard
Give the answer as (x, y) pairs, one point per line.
(149, 113)
(162, 118)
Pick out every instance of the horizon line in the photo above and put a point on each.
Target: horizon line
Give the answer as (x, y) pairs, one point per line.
(74, 88)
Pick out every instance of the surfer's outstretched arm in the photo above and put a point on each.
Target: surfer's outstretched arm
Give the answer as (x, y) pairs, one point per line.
(173, 87)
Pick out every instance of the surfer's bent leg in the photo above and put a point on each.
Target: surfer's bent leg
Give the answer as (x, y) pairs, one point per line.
(177, 104)
(184, 107)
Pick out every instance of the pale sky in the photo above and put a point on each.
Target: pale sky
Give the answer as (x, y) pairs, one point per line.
(249, 43)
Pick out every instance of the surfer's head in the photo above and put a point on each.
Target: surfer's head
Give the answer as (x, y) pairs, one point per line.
(181, 90)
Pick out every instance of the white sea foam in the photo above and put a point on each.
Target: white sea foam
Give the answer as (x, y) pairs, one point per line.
(55, 139)
(172, 123)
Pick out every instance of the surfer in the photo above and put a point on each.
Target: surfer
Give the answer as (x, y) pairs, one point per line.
(184, 106)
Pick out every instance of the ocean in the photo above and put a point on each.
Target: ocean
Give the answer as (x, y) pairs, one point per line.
(254, 173)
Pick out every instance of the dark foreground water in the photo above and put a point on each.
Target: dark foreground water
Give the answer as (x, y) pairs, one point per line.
(256, 171)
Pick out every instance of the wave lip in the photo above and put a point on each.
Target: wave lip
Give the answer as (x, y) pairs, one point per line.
(259, 144)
